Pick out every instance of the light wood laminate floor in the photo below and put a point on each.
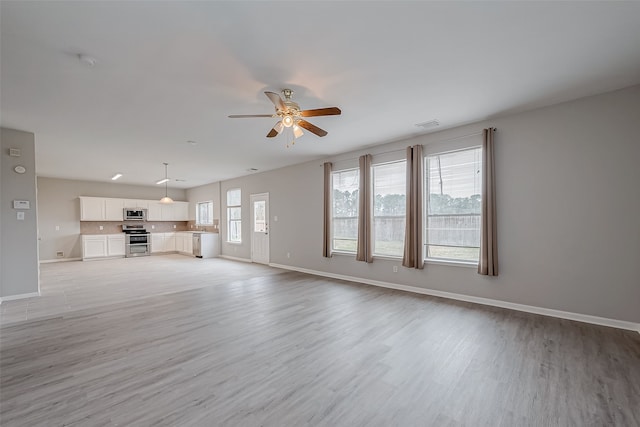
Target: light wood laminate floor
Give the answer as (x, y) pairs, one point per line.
(177, 341)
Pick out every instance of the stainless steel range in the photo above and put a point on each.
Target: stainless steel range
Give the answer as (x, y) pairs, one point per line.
(137, 240)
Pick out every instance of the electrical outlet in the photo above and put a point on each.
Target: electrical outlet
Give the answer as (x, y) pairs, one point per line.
(57, 228)
(153, 227)
(174, 226)
(288, 254)
(275, 218)
(101, 228)
(395, 268)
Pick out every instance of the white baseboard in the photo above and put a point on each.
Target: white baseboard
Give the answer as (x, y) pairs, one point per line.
(233, 258)
(49, 261)
(585, 318)
(20, 296)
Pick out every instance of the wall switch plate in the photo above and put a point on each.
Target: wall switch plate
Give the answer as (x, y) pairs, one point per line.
(174, 226)
(395, 268)
(20, 216)
(153, 227)
(57, 228)
(288, 254)
(101, 227)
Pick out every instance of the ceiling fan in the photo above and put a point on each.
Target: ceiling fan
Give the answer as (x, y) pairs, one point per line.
(291, 115)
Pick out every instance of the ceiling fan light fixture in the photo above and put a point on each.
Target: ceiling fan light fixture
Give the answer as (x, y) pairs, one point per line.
(279, 127)
(287, 121)
(297, 132)
(166, 199)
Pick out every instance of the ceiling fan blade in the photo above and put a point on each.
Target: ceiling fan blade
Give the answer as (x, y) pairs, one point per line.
(244, 116)
(277, 101)
(272, 133)
(276, 130)
(331, 111)
(311, 128)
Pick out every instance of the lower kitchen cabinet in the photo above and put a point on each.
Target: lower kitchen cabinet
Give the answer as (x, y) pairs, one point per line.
(184, 243)
(102, 246)
(115, 245)
(163, 242)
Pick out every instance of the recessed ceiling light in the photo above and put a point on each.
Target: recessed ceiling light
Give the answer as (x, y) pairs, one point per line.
(116, 176)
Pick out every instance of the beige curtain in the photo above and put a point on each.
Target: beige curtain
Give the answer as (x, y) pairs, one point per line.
(488, 264)
(413, 256)
(326, 220)
(365, 247)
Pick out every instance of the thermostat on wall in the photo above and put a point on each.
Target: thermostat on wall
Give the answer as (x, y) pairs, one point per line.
(21, 204)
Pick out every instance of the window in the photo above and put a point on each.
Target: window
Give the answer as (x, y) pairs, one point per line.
(345, 210)
(453, 203)
(389, 205)
(259, 216)
(204, 213)
(234, 216)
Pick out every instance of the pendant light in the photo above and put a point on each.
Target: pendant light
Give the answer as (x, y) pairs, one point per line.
(166, 198)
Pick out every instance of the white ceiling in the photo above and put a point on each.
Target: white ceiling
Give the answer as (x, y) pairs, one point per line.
(169, 72)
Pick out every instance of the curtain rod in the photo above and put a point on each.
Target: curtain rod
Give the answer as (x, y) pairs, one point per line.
(403, 149)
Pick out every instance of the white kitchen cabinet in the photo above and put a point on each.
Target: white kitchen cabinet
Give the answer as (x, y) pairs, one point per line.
(181, 211)
(115, 245)
(184, 242)
(113, 209)
(179, 242)
(167, 211)
(92, 209)
(163, 242)
(102, 246)
(169, 242)
(188, 244)
(209, 245)
(140, 204)
(157, 243)
(94, 246)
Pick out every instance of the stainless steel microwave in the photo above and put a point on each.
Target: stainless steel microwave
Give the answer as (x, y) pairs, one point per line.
(135, 214)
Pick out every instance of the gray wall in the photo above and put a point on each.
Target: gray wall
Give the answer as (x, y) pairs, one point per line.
(204, 193)
(19, 253)
(58, 205)
(568, 198)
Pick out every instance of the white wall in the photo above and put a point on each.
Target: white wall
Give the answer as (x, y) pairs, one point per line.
(568, 200)
(58, 205)
(19, 253)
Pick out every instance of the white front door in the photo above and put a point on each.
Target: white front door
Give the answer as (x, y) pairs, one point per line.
(260, 228)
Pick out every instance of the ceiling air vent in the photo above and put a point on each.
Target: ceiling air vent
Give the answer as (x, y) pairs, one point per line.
(429, 124)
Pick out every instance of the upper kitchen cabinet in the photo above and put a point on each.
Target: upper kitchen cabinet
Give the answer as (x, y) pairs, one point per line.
(101, 209)
(92, 209)
(154, 211)
(176, 211)
(113, 209)
(181, 211)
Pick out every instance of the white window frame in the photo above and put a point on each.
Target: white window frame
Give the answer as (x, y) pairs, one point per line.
(208, 221)
(230, 221)
(373, 219)
(333, 249)
(464, 144)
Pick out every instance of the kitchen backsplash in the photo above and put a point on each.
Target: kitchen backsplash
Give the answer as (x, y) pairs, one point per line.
(115, 227)
(215, 228)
